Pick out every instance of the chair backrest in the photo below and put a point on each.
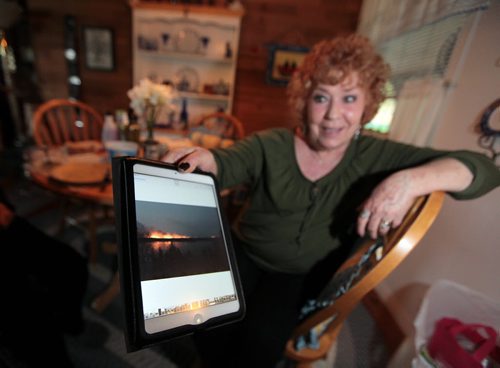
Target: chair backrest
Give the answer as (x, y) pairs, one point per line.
(222, 124)
(59, 120)
(369, 265)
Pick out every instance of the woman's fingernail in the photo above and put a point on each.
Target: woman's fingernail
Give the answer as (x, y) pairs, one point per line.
(184, 166)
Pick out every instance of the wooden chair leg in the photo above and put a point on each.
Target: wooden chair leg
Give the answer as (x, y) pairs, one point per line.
(101, 302)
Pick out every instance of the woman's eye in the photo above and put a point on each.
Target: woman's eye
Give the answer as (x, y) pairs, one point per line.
(350, 98)
(319, 98)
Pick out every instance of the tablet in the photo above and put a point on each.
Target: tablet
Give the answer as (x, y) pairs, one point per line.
(176, 262)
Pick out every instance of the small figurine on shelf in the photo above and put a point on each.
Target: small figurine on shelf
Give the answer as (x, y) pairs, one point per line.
(221, 88)
(165, 37)
(204, 42)
(183, 84)
(229, 51)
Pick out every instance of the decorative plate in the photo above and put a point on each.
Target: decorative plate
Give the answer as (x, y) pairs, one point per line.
(188, 40)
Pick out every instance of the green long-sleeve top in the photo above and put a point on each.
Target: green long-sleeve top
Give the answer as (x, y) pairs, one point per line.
(290, 222)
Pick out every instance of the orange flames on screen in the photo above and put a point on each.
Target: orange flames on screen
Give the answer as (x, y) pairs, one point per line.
(160, 235)
(155, 234)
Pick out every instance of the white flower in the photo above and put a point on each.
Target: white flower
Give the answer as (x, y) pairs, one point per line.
(151, 96)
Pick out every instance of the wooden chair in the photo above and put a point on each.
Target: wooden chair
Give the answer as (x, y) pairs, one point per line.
(222, 124)
(367, 267)
(58, 121)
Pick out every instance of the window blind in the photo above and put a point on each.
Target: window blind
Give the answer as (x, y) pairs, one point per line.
(417, 39)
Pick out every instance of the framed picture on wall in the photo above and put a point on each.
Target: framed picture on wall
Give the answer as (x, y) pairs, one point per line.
(283, 61)
(98, 48)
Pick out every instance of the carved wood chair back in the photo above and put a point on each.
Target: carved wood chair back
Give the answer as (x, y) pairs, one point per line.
(366, 268)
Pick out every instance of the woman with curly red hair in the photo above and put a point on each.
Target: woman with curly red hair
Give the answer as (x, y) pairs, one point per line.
(330, 62)
(314, 188)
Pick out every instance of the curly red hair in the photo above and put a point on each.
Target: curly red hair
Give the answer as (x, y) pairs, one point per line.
(330, 62)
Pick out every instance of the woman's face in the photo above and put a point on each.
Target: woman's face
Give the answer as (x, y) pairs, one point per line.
(334, 113)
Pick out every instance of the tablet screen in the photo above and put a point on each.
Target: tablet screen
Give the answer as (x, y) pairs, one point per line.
(184, 268)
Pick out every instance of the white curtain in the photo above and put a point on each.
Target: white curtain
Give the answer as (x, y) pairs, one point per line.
(417, 111)
(382, 20)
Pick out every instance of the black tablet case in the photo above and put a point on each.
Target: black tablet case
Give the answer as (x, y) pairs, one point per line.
(123, 196)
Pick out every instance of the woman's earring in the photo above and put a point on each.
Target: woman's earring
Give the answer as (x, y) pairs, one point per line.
(357, 133)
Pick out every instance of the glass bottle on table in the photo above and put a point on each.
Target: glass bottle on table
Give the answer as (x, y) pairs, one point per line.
(184, 116)
(109, 129)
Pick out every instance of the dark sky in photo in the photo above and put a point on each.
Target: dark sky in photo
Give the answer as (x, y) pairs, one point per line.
(193, 221)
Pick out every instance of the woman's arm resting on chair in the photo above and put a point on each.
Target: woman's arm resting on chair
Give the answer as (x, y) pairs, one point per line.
(393, 197)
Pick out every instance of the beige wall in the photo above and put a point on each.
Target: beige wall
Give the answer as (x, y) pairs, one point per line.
(464, 243)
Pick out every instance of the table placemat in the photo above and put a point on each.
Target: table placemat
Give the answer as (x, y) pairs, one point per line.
(80, 173)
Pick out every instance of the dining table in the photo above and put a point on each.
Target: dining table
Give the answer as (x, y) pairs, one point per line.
(75, 172)
(81, 172)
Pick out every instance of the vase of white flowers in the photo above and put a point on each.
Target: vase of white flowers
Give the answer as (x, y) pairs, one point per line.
(147, 99)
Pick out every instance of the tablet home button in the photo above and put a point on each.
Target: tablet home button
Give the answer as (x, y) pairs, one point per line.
(198, 318)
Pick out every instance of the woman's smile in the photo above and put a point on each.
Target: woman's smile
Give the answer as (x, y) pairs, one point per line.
(334, 113)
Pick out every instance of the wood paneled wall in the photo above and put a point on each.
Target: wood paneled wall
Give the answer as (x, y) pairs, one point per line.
(257, 104)
(288, 22)
(101, 89)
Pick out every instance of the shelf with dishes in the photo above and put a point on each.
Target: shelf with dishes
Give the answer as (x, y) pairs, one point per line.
(183, 38)
(194, 51)
(190, 83)
(199, 57)
(187, 82)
